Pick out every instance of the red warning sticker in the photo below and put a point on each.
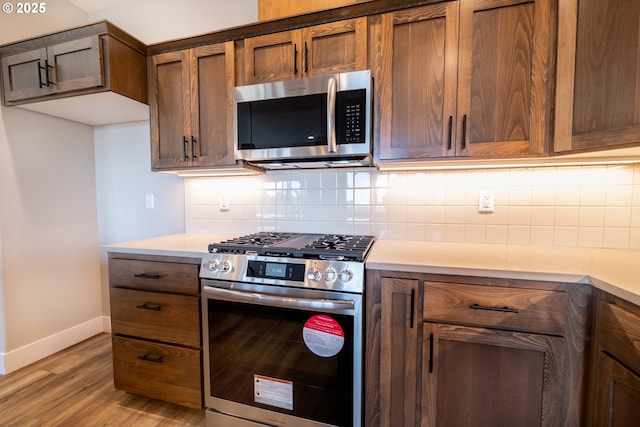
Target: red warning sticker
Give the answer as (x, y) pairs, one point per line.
(323, 335)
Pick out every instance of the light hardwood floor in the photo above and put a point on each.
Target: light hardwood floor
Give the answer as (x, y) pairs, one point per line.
(74, 388)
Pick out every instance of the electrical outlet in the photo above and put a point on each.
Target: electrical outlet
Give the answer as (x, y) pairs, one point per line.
(224, 202)
(486, 201)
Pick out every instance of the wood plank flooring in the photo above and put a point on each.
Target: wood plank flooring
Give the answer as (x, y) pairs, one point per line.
(74, 388)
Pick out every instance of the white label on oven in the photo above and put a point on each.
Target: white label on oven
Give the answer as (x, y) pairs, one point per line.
(273, 391)
(323, 335)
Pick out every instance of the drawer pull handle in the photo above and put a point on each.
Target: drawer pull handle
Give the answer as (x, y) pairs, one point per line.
(148, 307)
(504, 309)
(148, 358)
(148, 276)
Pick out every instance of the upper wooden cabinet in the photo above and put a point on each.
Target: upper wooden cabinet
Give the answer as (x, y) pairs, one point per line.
(59, 68)
(89, 59)
(417, 82)
(598, 83)
(317, 50)
(191, 107)
(466, 78)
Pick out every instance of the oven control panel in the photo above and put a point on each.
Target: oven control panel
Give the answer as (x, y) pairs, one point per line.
(319, 274)
(275, 270)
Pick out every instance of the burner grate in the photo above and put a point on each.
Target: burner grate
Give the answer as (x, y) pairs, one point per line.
(299, 245)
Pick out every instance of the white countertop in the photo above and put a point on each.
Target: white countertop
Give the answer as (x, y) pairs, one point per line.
(612, 270)
(185, 245)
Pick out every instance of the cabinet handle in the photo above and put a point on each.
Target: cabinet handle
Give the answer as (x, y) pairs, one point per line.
(145, 306)
(148, 358)
(504, 309)
(450, 131)
(147, 276)
(184, 147)
(46, 72)
(431, 353)
(40, 68)
(413, 303)
(295, 59)
(305, 58)
(193, 147)
(464, 132)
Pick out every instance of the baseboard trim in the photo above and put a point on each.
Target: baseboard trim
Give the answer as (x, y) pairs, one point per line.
(30, 353)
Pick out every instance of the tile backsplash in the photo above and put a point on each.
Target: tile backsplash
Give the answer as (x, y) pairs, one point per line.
(585, 206)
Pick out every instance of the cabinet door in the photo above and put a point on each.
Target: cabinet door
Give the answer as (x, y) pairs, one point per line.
(212, 82)
(23, 75)
(598, 83)
(399, 333)
(75, 65)
(616, 383)
(618, 394)
(416, 83)
(272, 57)
(335, 47)
(169, 105)
(476, 376)
(503, 89)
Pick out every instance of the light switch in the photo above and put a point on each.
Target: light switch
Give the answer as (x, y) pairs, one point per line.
(149, 201)
(224, 202)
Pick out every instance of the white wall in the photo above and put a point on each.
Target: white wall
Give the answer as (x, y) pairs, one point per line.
(155, 21)
(123, 179)
(48, 226)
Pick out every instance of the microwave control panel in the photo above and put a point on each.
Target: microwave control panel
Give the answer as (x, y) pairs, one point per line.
(350, 116)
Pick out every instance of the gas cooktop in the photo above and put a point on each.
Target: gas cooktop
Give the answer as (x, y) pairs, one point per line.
(298, 245)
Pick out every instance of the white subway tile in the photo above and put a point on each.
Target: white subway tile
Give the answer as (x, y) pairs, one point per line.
(592, 237)
(588, 206)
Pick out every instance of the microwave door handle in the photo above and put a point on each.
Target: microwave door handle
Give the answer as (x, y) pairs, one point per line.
(331, 115)
(328, 305)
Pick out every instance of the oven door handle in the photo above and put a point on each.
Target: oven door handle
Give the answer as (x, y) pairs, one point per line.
(330, 305)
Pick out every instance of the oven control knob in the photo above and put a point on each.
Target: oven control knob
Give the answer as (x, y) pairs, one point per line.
(330, 274)
(225, 266)
(314, 274)
(213, 265)
(345, 275)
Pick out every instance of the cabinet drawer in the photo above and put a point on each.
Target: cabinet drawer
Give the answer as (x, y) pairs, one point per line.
(154, 276)
(157, 316)
(619, 331)
(523, 309)
(158, 371)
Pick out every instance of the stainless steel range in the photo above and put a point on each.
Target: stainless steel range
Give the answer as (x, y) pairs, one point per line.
(283, 330)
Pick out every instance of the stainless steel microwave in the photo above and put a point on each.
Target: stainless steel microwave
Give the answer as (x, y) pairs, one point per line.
(305, 123)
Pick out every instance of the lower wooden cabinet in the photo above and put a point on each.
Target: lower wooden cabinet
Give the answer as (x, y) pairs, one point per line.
(162, 371)
(399, 338)
(468, 351)
(615, 389)
(481, 376)
(155, 324)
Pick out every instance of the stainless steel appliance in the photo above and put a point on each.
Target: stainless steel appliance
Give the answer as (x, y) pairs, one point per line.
(283, 330)
(305, 123)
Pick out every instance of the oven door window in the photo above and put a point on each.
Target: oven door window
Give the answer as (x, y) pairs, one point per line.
(251, 341)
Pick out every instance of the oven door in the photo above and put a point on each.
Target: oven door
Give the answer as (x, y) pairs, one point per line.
(282, 356)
